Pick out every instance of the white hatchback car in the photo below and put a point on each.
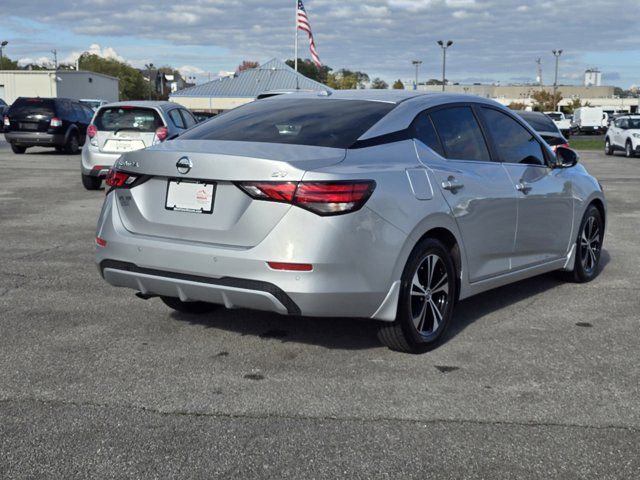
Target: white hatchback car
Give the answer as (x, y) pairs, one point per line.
(122, 127)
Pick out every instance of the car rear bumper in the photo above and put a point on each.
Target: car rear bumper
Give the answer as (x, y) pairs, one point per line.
(352, 262)
(32, 139)
(96, 163)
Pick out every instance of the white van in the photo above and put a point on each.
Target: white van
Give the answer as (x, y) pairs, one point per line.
(590, 120)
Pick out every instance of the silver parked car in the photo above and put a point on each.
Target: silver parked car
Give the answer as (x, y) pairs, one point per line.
(379, 204)
(121, 127)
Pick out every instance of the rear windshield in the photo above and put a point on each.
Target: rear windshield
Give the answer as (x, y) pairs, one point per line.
(32, 106)
(128, 118)
(556, 116)
(300, 121)
(540, 123)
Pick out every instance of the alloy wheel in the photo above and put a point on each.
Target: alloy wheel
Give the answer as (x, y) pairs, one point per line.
(590, 244)
(429, 294)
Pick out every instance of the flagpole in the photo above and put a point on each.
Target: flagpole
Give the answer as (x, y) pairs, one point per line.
(295, 55)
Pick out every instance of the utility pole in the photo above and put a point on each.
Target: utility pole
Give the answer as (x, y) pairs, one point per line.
(55, 58)
(149, 67)
(556, 53)
(444, 59)
(2, 45)
(417, 64)
(539, 62)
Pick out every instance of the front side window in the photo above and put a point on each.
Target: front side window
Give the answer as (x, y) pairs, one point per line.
(321, 122)
(514, 143)
(460, 133)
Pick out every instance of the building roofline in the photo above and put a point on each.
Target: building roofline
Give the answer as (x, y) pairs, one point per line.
(58, 72)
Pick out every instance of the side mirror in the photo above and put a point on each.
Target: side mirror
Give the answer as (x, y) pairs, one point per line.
(566, 158)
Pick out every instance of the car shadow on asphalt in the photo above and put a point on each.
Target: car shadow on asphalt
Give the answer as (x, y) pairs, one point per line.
(361, 334)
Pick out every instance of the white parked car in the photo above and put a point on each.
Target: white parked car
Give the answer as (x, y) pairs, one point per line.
(562, 122)
(624, 135)
(589, 120)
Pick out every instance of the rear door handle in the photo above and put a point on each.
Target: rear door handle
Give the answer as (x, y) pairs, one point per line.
(452, 185)
(523, 187)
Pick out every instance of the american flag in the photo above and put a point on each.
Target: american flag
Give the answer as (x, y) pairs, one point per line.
(304, 25)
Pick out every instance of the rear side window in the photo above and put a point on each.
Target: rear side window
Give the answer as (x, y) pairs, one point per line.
(460, 133)
(128, 118)
(320, 122)
(189, 121)
(424, 131)
(176, 118)
(514, 143)
(32, 106)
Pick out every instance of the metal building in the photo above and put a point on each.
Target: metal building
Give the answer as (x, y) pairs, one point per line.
(60, 83)
(225, 93)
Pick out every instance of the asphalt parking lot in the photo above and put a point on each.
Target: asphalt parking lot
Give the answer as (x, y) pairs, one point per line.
(536, 380)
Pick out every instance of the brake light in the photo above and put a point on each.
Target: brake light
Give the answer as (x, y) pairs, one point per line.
(7, 122)
(162, 133)
(55, 122)
(292, 267)
(116, 179)
(92, 131)
(322, 198)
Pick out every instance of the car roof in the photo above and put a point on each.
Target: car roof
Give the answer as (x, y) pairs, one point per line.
(162, 105)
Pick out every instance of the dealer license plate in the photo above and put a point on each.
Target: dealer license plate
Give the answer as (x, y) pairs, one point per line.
(190, 196)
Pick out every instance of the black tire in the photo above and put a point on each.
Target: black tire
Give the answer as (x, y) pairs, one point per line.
(18, 149)
(91, 183)
(607, 147)
(628, 149)
(586, 266)
(416, 295)
(189, 307)
(72, 147)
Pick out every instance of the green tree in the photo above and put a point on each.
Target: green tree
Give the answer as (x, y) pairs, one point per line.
(247, 65)
(435, 81)
(544, 100)
(398, 85)
(133, 85)
(574, 105)
(346, 79)
(8, 64)
(309, 69)
(379, 84)
(517, 106)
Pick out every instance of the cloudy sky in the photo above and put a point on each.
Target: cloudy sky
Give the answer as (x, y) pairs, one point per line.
(494, 40)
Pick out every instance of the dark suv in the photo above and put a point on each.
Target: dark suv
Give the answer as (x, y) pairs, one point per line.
(3, 108)
(46, 122)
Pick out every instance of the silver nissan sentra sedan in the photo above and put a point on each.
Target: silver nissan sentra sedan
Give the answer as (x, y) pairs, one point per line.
(385, 205)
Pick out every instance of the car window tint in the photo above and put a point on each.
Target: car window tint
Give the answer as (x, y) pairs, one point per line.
(460, 134)
(321, 122)
(426, 133)
(175, 117)
(513, 142)
(189, 121)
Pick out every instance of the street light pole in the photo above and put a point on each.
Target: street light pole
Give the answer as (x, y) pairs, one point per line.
(417, 64)
(149, 67)
(2, 45)
(556, 53)
(444, 47)
(55, 58)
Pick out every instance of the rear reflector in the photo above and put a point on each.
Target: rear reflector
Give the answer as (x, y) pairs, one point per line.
(101, 242)
(322, 198)
(292, 267)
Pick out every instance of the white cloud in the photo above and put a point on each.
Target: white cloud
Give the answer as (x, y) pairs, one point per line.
(94, 49)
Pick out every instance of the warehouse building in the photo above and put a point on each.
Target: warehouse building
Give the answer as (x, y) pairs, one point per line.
(60, 83)
(225, 93)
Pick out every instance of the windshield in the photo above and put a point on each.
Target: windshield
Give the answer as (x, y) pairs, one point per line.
(128, 118)
(300, 121)
(539, 121)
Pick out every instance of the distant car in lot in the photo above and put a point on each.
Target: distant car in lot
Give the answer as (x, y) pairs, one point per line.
(93, 103)
(389, 205)
(3, 108)
(123, 127)
(203, 116)
(546, 128)
(624, 135)
(589, 120)
(46, 122)
(562, 122)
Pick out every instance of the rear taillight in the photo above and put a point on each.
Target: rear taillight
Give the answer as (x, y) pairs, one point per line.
(55, 122)
(322, 198)
(116, 179)
(7, 122)
(162, 133)
(92, 131)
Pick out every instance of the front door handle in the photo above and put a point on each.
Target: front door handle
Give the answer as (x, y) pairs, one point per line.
(523, 187)
(452, 185)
